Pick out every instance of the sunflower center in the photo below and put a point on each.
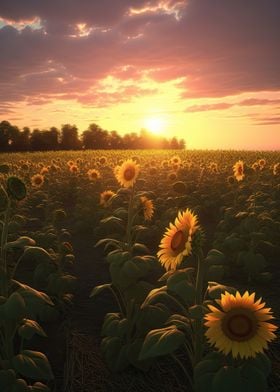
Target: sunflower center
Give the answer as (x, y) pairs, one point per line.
(178, 241)
(239, 325)
(240, 170)
(129, 173)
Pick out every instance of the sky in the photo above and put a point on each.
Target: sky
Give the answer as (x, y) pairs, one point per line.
(207, 71)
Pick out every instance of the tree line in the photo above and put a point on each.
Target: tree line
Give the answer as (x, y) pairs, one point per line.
(13, 139)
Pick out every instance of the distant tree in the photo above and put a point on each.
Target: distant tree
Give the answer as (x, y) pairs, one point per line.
(174, 144)
(115, 140)
(182, 144)
(69, 137)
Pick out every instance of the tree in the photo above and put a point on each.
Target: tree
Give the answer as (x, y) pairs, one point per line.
(69, 137)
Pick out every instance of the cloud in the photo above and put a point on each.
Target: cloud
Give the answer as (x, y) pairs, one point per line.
(209, 107)
(227, 105)
(213, 48)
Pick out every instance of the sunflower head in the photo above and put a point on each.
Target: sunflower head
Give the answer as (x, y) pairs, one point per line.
(147, 207)
(44, 170)
(105, 198)
(74, 168)
(177, 240)
(93, 174)
(262, 163)
(276, 169)
(239, 326)
(127, 173)
(37, 180)
(238, 170)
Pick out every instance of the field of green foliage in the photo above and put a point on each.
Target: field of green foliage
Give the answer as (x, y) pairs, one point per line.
(176, 252)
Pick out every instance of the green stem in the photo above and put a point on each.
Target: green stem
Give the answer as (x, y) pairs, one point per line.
(119, 299)
(130, 220)
(198, 336)
(183, 369)
(3, 252)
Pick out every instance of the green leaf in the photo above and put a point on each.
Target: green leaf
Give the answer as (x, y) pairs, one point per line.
(32, 364)
(97, 289)
(151, 317)
(215, 272)
(254, 380)
(215, 290)
(115, 353)
(7, 379)
(215, 257)
(15, 307)
(21, 242)
(29, 328)
(197, 312)
(228, 379)
(20, 385)
(16, 188)
(254, 263)
(161, 341)
(39, 387)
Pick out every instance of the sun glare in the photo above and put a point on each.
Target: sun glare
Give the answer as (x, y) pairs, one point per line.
(155, 125)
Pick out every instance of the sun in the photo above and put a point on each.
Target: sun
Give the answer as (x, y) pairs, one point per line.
(155, 125)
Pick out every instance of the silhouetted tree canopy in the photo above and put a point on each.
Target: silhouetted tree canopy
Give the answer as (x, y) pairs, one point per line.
(68, 138)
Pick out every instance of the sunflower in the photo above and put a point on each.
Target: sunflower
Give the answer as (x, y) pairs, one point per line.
(74, 168)
(241, 326)
(37, 180)
(147, 207)
(44, 170)
(177, 239)
(238, 170)
(262, 163)
(276, 169)
(105, 198)
(93, 174)
(127, 173)
(175, 160)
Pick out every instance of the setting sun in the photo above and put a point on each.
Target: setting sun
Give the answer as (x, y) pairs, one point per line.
(155, 125)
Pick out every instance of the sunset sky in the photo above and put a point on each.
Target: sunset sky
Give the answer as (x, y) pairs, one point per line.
(204, 70)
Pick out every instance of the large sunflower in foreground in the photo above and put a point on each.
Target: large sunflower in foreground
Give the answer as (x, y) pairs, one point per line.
(238, 170)
(240, 327)
(176, 243)
(127, 173)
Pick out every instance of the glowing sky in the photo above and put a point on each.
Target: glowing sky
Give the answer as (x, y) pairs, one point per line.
(204, 70)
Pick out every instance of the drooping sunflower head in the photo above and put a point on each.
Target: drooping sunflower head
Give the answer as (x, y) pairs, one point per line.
(127, 173)
(105, 198)
(238, 170)
(147, 207)
(276, 169)
(93, 174)
(37, 180)
(177, 240)
(255, 166)
(239, 326)
(44, 170)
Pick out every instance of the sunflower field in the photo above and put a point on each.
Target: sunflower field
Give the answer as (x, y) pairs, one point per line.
(140, 271)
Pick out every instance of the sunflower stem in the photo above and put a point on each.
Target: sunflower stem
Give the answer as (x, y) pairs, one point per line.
(177, 360)
(198, 337)
(130, 219)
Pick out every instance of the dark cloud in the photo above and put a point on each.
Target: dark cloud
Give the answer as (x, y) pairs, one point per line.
(218, 48)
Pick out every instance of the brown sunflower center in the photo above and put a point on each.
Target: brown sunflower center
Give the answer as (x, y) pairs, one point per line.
(107, 196)
(129, 173)
(240, 170)
(239, 325)
(178, 241)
